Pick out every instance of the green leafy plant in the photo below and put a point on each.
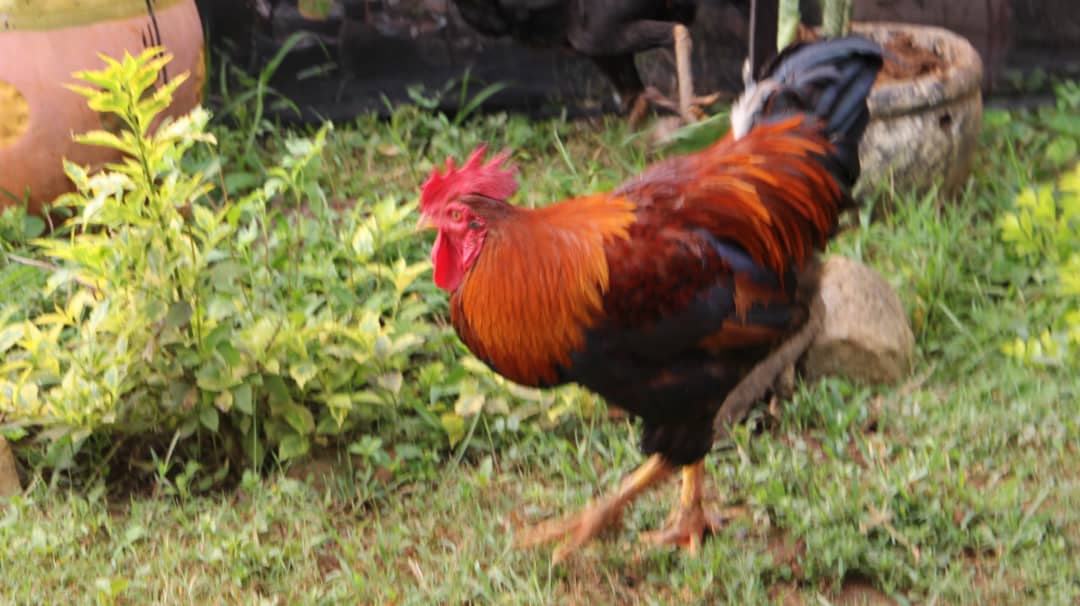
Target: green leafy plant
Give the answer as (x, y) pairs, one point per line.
(17, 227)
(177, 314)
(1043, 232)
(467, 105)
(1047, 139)
(836, 16)
(264, 315)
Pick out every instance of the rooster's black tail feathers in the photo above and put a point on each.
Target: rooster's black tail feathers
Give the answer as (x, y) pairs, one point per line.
(829, 80)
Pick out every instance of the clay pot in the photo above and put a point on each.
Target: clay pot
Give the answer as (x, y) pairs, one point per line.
(38, 52)
(923, 130)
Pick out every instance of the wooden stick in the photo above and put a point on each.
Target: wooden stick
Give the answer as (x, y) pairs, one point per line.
(685, 73)
(49, 267)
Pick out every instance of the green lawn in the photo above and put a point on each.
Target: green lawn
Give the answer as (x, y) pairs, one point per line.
(961, 485)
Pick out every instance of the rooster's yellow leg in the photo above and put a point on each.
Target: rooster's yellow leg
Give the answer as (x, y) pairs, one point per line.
(688, 521)
(579, 528)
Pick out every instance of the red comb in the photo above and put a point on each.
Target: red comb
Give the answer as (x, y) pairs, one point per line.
(474, 177)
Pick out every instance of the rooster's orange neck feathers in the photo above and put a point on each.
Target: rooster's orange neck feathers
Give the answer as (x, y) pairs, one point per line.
(538, 285)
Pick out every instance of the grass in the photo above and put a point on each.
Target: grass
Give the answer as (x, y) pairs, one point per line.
(961, 485)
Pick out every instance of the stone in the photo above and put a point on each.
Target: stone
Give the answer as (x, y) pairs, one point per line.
(865, 335)
(9, 476)
(923, 130)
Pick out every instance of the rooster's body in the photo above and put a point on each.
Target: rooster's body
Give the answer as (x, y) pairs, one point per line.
(664, 293)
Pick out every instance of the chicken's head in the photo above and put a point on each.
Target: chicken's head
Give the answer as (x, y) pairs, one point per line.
(454, 203)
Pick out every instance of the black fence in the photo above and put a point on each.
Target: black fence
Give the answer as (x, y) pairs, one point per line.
(364, 55)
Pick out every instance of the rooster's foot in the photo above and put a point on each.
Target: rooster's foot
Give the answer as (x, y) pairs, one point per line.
(578, 529)
(689, 522)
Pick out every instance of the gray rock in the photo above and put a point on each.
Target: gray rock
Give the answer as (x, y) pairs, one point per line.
(923, 130)
(865, 334)
(9, 478)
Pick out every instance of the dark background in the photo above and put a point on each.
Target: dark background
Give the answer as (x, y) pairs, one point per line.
(363, 56)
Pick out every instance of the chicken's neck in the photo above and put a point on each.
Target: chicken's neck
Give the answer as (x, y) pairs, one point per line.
(537, 286)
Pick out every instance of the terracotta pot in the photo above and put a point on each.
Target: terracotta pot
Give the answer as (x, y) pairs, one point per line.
(923, 130)
(39, 49)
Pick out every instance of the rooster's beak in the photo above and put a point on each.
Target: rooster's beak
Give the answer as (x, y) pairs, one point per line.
(425, 223)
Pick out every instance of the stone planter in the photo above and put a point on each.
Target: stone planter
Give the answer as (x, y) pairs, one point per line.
(923, 130)
(39, 49)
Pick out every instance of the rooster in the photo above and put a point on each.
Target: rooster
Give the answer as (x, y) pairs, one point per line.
(662, 294)
(610, 32)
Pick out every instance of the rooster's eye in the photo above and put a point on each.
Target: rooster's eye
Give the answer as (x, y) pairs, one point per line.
(455, 215)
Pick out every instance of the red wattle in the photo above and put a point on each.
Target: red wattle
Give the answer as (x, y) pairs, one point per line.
(447, 261)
